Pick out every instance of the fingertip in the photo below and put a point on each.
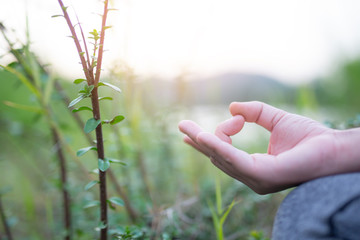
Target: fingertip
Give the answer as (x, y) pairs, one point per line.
(232, 107)
(183, 124)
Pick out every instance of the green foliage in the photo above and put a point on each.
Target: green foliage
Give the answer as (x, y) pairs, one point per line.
(94, 35)
(255, 235)
(117, 201)
(110, 86)
(91, 184)
(91, 124)
(104, 164)
(114, 121)
(76, 100)
(82, 151)
(83, 108)
(219, 215)
(79, 80)
(105, 98)
(91, 204)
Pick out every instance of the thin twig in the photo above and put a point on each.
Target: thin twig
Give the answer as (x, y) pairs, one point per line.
(63, 177)
(101, 47)
(3, 218)
(89, 78)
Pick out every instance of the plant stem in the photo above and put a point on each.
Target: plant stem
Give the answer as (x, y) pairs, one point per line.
(101, 46)
(3, 218)
(63, 177)
(129, 209)
(89, 77)
(101, 155)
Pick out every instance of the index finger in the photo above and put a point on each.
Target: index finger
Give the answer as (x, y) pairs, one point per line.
(258, 112)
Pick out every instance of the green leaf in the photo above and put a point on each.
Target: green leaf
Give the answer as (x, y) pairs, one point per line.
(91, 124)
(24, 107)
(64, 8)
(87, 90)
(117, 201)
(116, 161)
(92, 204)
(102, 225)
(218, 196)
(76, 100)
(103, 164)
(109, 85)
(224, 216)
(216, 221)
(54, 16)
(79, 80)
(91, 184)
(105, 98)
(81, 109)
(82, 151)
(117, 119)
(107, 27)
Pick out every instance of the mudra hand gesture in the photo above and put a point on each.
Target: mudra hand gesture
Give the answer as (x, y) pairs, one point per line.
(300, 149)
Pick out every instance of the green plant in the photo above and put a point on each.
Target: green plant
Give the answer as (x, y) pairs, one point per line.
(30, 72)
(91, 62)
(219, 214)
(255, 235)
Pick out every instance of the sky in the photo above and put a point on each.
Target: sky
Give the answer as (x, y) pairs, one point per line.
(294, 41)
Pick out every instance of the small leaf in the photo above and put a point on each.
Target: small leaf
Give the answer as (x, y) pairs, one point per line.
(95, 171)
(103, 164)
(105, 98)
(117, 119)
(109, 85)
(54, 16)
(76, 100)
(117, 201)
(102, 225)
(107, 27)
(91, 124)
(116, 161)
(82, 151)
(91, 184)
(64, 8)
(81, 109)
(81, 53)
(92, 204)
(79, 80)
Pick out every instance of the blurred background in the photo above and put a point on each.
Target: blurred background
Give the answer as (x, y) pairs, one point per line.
(173, 60)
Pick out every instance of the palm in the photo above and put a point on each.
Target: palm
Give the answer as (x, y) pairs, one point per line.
(285, 134)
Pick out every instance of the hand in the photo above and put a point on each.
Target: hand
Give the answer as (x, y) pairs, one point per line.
(299, 150)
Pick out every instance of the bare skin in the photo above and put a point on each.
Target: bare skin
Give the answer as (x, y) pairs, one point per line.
(300, 149)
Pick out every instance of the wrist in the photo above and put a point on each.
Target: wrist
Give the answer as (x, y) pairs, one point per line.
(348, 150)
